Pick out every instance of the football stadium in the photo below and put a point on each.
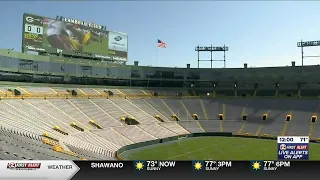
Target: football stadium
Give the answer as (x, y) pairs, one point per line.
(78, 100)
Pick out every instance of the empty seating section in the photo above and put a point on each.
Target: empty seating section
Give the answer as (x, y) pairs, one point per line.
(88, 154)
(211, 125)
(39, 90)
(299, 125)
(4, 90)
(51, 110)
(94, 112)
(133, 110)
(178, 108)
(231, 126)
(71, 110)
(114, 91)
(315, 130)
(90, 91)
(110, 108)
(20, 119)
(213, 109)
(171, 92)
(87, 146)
(191, 126)
(234, 112)
(175, 127)
(195, 107)
(251, 128)
(142, 104)
(25, 148)
(161, 107)
(157, 130)
(23, 121)
(60, 90)
(132, 91)
(160, 92)
(97, 141)
(134, 133)
(35, 112)
(113, 136)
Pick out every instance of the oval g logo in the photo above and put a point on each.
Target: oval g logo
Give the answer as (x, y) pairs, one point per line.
(29, 19)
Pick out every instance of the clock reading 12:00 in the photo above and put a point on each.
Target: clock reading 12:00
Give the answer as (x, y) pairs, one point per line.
(286, 139)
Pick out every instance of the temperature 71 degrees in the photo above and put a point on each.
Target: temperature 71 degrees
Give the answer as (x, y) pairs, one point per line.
(304, 139)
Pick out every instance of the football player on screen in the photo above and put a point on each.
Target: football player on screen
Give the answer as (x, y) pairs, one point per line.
(59, 37)
(85, 36)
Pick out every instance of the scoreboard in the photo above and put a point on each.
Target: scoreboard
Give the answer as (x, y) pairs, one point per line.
(72, 37)
(293, 148)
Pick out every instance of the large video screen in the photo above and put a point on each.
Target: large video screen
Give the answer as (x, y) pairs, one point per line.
(50, 35)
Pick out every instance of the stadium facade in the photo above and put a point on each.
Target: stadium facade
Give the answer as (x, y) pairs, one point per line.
(71, 105)
(17, 66)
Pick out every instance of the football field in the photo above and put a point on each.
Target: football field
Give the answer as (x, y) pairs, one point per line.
(213, 148)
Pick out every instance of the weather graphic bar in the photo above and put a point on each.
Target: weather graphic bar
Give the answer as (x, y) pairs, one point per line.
(293, 148)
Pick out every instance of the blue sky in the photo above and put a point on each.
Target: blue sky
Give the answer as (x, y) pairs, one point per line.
(258, 33)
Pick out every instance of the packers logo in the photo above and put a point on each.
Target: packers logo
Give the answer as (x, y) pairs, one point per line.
(29, 19)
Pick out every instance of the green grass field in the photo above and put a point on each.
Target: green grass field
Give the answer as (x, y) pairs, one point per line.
(213, 148)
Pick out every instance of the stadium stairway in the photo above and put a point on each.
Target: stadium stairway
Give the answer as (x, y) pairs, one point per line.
(88, 154)
(142, 104)
(211, 125)
(192, 126)
(97, 141)
(135, 92)
(299, 124)
(178, 108)
(133, 110)
(204, 110)
(37, 113)
(20, 119)
(91, 91)
(75, 143)
(194, 106)
(161, 107)
(68, 108)
(26, 148)
(175, 127)
(316, 130)
(232, 126)
(53, 111)
(119, 91)
(134, 133)
(53, 90)
(39, 90)
(156, 130)
(95, 113)
(113, 136)
(82, 92)
(23, 90)
(213, 109)
(115, 111)
(98, 92)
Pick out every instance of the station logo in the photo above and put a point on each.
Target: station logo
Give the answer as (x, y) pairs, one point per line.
(23, 166)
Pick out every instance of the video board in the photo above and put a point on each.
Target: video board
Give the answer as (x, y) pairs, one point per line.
(72, 37)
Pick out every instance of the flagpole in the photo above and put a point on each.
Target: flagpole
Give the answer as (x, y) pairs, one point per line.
(157, 56)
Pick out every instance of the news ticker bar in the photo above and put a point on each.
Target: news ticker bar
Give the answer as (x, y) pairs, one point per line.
(53, 170)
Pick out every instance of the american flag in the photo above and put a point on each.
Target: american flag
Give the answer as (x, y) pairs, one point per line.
(161, 44)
